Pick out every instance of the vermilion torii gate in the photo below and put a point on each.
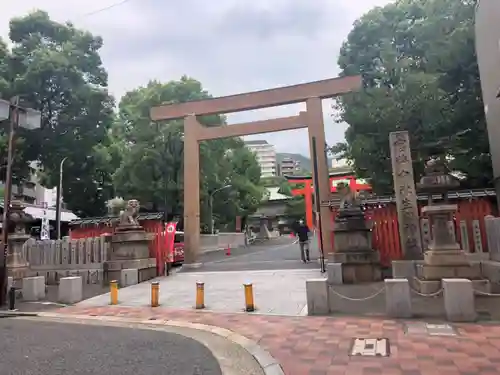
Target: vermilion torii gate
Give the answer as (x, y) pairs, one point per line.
(311, 93)
(307, 191)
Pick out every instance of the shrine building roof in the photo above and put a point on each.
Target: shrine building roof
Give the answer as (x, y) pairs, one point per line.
(331, 174)
(110, 220)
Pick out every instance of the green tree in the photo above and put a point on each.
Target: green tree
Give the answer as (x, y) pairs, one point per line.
(273, 181)
(295, 207)
(418, 62)
(56, 68)
(152, 166)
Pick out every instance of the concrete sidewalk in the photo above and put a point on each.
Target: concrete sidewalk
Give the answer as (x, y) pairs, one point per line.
(280, 292)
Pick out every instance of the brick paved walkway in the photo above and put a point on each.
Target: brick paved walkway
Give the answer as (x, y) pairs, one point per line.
(320, 345)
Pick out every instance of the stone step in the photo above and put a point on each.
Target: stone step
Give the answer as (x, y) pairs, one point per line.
(431, 272)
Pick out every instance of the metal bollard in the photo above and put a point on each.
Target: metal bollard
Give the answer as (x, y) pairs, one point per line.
(249, 305)
(12, 298)
(155, 294)
(113, 292)
(200, 295)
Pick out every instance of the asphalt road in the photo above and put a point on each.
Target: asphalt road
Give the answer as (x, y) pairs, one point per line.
(46, 348)
(275, 254)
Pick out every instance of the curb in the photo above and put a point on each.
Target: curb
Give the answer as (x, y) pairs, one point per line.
(265, 360)
(15, 313)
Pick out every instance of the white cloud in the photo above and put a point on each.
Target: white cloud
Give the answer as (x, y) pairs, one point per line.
(231, 46)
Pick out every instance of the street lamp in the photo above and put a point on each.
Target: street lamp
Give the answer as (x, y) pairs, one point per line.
(58, 199)
(212, 203)
(29, 119)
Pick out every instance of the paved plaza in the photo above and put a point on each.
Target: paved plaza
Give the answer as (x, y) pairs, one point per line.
(274, 268)
(280, 292)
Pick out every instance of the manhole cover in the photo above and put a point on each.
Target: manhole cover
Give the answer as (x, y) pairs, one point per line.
(370, 347)
(440, 330)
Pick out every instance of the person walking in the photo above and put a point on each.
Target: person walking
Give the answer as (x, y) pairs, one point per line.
(302, 233)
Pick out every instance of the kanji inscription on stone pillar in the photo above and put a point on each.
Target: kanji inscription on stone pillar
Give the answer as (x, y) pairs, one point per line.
(406, 195)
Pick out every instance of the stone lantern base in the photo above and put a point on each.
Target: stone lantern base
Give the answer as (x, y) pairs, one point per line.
(352, 237)
(445, 259)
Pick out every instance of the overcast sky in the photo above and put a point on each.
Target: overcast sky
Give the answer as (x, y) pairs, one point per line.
(231, 46)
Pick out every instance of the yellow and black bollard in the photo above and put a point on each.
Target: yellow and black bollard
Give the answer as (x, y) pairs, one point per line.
(200, 295)
(249, 304)
(155, 294)
(113, 292)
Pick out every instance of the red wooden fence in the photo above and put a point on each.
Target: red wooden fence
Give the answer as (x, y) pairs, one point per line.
(385, 234)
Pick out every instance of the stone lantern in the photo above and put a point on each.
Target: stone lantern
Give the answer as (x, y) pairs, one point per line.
(443, 258)
(17, 266)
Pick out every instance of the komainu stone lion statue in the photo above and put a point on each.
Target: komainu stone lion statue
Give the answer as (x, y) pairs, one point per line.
(348, 198)
(129, 216)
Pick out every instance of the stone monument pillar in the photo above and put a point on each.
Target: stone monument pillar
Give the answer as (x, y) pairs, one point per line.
(263, 229)
(406, 196)
(353, 241)
(130, 247)
(444, 258)
(17, 266)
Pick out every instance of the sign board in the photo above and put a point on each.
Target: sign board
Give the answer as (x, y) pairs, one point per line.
(45, 228)
(169, 241)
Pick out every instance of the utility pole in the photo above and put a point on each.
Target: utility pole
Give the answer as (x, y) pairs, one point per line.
(211, 203)
(59, 199)
(29, 119)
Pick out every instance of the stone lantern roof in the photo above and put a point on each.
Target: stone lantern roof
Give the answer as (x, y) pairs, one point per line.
(437, 178)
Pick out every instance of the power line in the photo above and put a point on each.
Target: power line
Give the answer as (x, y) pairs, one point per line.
(105, 8)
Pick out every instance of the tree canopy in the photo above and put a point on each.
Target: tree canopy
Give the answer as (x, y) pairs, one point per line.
(418, 62)
(151, 168)
(56, 69)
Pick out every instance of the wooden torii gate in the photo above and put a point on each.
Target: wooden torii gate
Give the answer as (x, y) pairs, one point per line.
(311, 93)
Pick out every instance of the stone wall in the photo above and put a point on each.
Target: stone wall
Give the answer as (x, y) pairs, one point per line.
(62, 258)
(85, 257)
(213, 242)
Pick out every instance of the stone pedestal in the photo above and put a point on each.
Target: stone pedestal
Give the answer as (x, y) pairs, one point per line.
(17, 266)
(33, 288)
(353, 248)
(444, 259)
(263, 230)
(130, 250)
(398, 298)
(70, 290)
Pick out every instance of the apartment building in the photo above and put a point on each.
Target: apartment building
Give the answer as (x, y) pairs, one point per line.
(266, 156)
(32, 193)
(25, 192)
(288, 167)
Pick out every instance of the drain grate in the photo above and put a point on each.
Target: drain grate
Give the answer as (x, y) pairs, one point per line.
(370, 347)
(440, 330)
